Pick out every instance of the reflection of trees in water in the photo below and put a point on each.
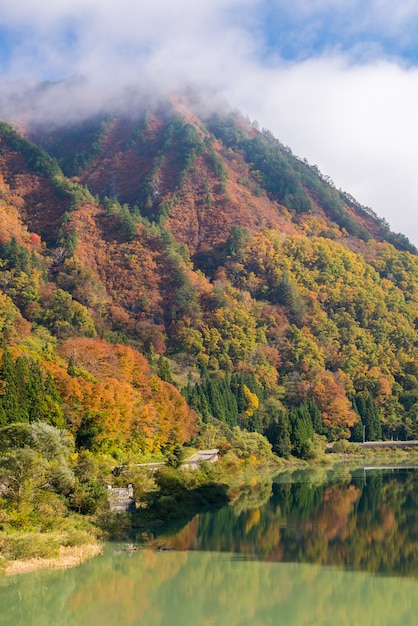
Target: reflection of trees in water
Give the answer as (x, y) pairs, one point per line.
(365, 521)
(149, 588)
(35, 599)
(359, 524)
(365, 524)
(252, 497)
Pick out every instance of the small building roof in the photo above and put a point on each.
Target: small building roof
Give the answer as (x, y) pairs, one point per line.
(203, 455)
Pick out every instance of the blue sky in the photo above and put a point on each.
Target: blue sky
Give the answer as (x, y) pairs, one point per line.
(335, 80)
(363, 30)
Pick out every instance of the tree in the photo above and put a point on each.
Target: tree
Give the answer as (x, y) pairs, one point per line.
(23, 390)
(175, 457)
(302, 432)
(164, 371)
(71, 367)
(89, 494)
(14, 436)
(287, 293)
(330, 397)
(251, 400)
(23, 473)
(370, 416)
(279, 429)
(9, 397)
(237, 241)
(357, 432)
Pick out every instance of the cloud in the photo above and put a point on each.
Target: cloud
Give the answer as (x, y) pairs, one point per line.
(162, 44)
(346, 100)
(356, 122)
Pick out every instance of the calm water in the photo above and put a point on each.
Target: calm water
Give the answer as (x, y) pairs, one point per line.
(315, 549)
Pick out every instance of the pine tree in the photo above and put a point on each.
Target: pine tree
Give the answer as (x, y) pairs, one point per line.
(278, 432)
(372, 420)
(164, 371)
(36, 392)
(23, 389)
(71, 368)
(302, 431)
(197, 399)
(9, 398)
(3, 417)
(52, 404)
(357, 432)
(370, 417)
(316, 417)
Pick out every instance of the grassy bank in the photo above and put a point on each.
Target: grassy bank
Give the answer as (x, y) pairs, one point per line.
(66, 556)
(66, 542)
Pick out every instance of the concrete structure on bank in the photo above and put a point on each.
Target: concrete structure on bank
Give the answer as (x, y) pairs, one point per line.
(122, 499)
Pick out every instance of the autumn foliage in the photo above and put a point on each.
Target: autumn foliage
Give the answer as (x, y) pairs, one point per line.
(112, 391)
(279, 303)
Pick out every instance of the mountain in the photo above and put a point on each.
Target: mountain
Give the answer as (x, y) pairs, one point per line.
(200, 175)
(184, 234)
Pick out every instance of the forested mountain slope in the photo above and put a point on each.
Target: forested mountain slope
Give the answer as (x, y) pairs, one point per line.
(272, 300)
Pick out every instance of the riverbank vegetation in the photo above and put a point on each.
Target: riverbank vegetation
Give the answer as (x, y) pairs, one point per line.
(54, 496)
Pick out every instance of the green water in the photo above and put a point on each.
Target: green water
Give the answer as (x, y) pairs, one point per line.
(335, 549)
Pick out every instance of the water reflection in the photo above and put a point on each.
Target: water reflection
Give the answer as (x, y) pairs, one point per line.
(288, 553)
(150, 588)
(360, 520)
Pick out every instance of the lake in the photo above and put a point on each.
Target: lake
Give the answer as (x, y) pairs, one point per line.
(316, 547)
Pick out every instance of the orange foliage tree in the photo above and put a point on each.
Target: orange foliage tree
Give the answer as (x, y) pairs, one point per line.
(113, 388)
(328, 392)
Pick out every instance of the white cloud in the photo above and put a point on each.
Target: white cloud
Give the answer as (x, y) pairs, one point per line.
(357, 123)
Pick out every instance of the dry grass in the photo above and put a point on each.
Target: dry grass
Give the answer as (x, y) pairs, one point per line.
(69, 556)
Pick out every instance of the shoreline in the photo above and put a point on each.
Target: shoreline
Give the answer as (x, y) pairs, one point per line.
(69, 556)
(72, 556)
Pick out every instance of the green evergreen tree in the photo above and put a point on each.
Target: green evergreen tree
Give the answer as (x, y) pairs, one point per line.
(237, 388)
(36, 392)
(23, 388)
(164, 370)
(202, 403)
(197, 399)
(279, 430)
(302, 432)
(17, 256)
(370, 417)
(357, 432)
(9, 398)
(3, 417)
(71, 368)
(220, 399)
(53, 413)
(287, 294)
(229, 402)
(316, 417)
(372, 420)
